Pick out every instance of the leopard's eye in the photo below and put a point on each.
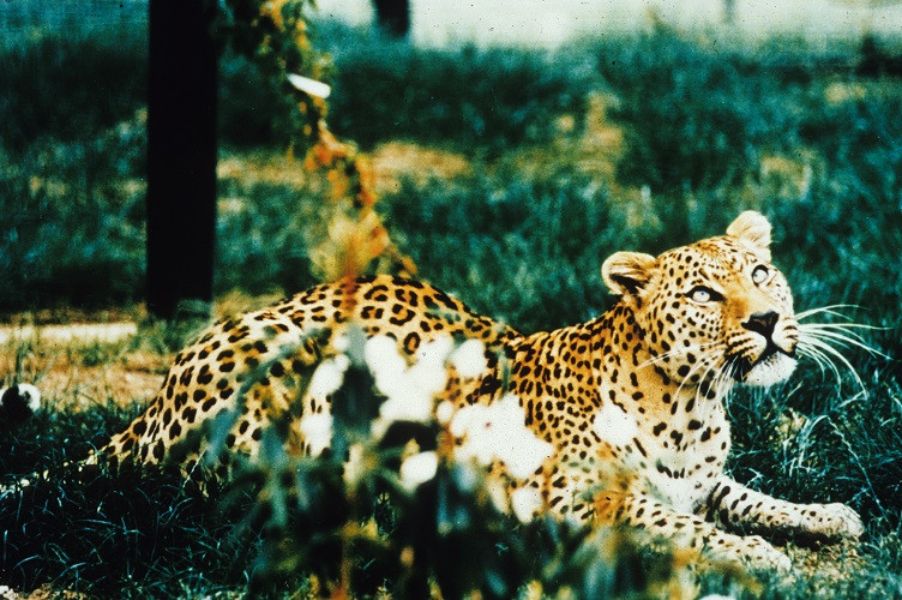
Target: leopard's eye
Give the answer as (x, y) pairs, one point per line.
(702, 294)
(760, 274)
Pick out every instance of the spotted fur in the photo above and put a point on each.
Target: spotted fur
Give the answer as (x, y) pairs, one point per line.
(631, 402)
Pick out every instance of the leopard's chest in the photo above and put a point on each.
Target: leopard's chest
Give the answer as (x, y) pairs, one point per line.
(677, 459)
(685, 458)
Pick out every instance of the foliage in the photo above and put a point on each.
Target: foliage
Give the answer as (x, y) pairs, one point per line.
(273, 36)
(288, 522)
(266, 231)
(552, 233)
(838, 128)
(490, 100)
(687, 112)
(367, 532)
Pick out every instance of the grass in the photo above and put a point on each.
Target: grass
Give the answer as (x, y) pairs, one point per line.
(546, 193)
(479, 101)
(127, 536)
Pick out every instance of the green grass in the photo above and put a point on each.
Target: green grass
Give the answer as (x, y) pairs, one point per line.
(477, 101)
(520, 236)
(128, 536)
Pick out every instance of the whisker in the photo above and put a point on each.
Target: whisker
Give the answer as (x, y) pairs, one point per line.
(827, 349)
(725, 380)
(678, 351)
(846, 329)
(692, 371)
(821, 358)
(841, 339)
(702, 382)
(831, 310)
(844, 326)
(823, 342)
(829, 336)
(818, 360)
(742, 347)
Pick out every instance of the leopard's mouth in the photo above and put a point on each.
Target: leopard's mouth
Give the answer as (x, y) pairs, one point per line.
(773, 357)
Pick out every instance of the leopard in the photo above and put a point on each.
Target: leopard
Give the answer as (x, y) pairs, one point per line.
(638, 391)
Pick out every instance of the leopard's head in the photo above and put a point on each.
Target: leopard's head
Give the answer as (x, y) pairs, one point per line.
(713, 310)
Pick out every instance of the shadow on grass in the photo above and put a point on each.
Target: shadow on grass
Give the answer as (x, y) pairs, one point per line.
(123, 534)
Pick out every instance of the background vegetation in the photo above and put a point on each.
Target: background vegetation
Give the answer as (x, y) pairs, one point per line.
(640, 142)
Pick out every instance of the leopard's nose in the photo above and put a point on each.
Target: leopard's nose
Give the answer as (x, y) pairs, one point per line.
(763, 323)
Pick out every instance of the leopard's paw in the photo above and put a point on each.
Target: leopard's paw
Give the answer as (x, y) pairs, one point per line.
(834, 520)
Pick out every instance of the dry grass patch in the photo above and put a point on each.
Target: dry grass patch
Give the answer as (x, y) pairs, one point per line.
(80, 375)
(393, 161)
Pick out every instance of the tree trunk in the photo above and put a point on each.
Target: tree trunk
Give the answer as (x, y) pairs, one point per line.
(393, 17)
(181, 165)
(729, 12)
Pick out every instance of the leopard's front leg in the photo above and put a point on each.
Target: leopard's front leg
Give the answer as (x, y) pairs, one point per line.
(733, 504)
(689, 531)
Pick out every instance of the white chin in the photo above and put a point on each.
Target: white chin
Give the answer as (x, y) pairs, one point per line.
(773, 370)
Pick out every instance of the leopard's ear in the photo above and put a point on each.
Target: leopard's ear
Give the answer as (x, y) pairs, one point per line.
(753, 230)
(627, 272)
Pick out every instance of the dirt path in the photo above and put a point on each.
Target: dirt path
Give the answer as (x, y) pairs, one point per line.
(65, 334)
(82, 364)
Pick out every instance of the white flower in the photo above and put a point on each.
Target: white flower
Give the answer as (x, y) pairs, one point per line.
(525, 501)
(435, 351)
(614, 426)
(329, 376)
(341, 342)
(497, 492)
(317, 431)
(385, 363)
(354, 467)
(309, 86)
(7, 593)
(429, 373)
(469, 359)
(418, 469)
(444, 412)
(498, 432)
(32, 396)
(412, 406)
(409, 391)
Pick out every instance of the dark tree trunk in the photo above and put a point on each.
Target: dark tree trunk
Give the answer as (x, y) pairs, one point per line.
(393, 16)
(181, 165)
(729, 12)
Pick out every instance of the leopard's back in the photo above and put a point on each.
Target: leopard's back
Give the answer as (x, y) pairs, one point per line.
(258, 363)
